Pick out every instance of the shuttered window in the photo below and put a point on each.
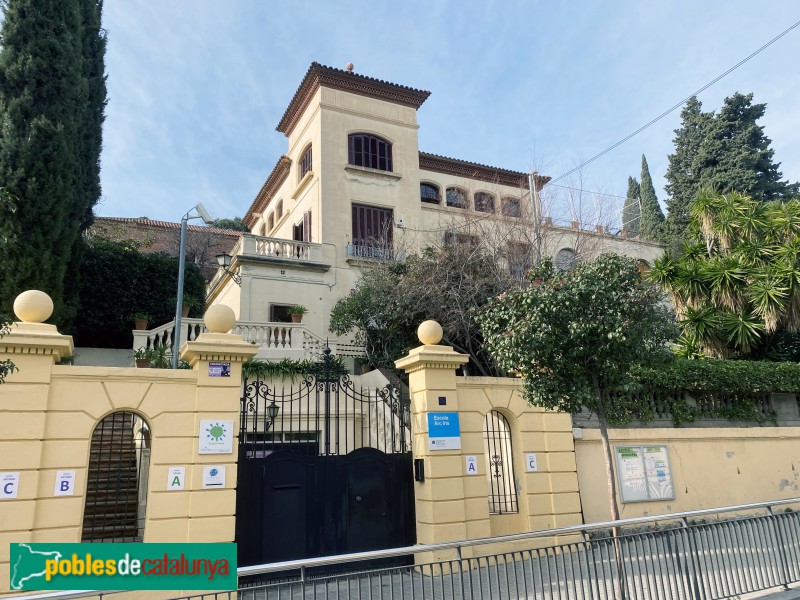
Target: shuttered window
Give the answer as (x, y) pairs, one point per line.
(372, 232)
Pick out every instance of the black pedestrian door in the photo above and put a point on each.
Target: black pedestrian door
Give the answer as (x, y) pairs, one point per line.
(324, 468)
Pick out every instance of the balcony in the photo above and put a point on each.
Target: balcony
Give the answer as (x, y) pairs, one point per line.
(372, 252)
(276, 341)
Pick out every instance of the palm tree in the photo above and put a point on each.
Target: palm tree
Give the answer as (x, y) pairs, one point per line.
(736, 285)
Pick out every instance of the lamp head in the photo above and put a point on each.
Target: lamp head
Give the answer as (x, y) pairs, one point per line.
(224, 260)
(201, 210)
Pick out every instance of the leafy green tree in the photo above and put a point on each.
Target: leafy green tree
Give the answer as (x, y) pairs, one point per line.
(652, 219)
(727, 151)
(52, 98)
(6, 366)
(736, 284)
(446, 284)
(632, 210)
(575, 337)
(119, 281)
(234, 224)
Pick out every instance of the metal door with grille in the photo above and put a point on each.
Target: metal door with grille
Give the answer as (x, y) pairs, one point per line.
(324, 468)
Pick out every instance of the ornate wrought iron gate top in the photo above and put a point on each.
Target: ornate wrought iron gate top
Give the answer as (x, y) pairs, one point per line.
(322, 413)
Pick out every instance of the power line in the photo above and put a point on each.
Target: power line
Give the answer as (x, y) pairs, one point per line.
(669, 110)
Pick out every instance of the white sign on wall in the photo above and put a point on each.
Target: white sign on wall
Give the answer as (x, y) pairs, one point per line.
(216, 437)
(175, 478)
(530, 463)
(472, 465)
(9, 485)
(214, 476)
(644, 473)
(65, 483)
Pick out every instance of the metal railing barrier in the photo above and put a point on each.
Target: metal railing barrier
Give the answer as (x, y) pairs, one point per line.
(704, 554)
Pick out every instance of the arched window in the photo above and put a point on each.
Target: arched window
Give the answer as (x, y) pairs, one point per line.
(365, 150)
(456, 198)
(565, 258)
(429, 193)
(279, 210)
(270, 222)
(484, 202)
(510, 207)
(116, 486)
(305, 162)
(499, 464)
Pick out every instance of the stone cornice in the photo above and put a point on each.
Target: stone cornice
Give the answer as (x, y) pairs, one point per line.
(431, 357)
(275, 180)
(470, 170)
(319, 75)
(38, 339)
(217, 347)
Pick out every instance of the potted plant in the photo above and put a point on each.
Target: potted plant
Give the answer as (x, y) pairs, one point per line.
(140, 320)
(189, 302)
(296, 312)
(142, 357)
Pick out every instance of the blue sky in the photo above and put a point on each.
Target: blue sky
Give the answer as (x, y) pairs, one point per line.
(197, 88)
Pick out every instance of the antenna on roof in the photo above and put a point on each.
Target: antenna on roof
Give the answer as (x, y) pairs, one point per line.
(349, 67)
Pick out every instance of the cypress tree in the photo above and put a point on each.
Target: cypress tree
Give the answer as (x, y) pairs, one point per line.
(683, 172)
(652, 219)
(727, 151)
(52, 98)
(632, 210)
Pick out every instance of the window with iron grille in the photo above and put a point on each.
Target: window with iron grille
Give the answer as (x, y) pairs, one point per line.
(364, 150)
(429, 193)
(499, 464)
(116, 486)
(510, 207)
(456, 198)
(462, 241)
(484, 202)
(305, 162)
(565, 259)
(519, 259)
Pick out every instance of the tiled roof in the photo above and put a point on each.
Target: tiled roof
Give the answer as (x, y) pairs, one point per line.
(142, 221)
(347, 81)
(471, 170)
(275, 180)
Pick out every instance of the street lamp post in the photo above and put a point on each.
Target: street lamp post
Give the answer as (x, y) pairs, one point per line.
(202, 213)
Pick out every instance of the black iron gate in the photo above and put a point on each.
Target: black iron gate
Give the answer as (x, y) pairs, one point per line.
(324, 468)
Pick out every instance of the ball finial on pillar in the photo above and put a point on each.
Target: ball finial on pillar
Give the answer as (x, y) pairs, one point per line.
(219, 318)
(430, 333)
(33, 306)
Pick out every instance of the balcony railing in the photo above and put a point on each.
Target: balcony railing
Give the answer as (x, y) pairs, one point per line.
(370, 251)
(275, 340)
(252, 245)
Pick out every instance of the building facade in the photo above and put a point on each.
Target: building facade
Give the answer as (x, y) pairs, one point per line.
(354, 188)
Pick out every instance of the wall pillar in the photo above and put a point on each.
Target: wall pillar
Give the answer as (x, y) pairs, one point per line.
(211, 512)
(439, 499)
(34, 347)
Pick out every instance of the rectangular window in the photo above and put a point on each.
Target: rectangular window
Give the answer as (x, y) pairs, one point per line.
(372, 231)
(279, 313)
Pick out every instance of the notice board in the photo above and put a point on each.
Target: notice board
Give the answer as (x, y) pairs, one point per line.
(644, 473)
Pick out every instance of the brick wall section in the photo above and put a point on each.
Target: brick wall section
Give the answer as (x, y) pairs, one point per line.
(202, 243)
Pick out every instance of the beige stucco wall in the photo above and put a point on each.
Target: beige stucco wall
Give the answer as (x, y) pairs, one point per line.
(453, 505)
(48, 413)
(711, 467)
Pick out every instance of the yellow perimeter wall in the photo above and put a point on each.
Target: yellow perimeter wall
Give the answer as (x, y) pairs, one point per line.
(48, 413)
(711, 467)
